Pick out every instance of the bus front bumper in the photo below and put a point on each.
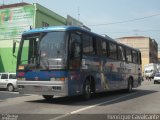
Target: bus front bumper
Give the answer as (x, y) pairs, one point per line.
(56, 88)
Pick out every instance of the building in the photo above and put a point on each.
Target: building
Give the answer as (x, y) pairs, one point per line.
(158, 56)
(16, 18)
(147, 46)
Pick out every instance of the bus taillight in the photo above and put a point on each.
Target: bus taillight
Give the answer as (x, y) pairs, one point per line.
(21, 74)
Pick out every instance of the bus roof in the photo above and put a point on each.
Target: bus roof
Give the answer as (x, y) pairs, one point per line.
(61, 28)
(52, 28)
(70, 28)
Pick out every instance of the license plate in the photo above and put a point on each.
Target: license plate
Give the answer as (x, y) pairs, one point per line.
(38, 88)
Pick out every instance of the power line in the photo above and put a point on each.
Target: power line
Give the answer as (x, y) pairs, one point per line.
(125, 21)
(134, 30)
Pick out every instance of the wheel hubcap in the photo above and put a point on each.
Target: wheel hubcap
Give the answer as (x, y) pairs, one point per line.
(10, 88)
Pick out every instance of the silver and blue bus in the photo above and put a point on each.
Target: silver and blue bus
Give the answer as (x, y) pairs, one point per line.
(67, 61)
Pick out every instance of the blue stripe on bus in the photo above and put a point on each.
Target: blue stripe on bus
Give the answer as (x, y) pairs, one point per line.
(45, 75)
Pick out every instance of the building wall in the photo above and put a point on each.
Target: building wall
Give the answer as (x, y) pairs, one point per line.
(44, 15)
(158, 57)
(15, 20)
(153, 51)
(147, 46)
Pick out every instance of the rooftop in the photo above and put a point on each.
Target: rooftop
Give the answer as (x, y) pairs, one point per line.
(14, 5)
(132, 37)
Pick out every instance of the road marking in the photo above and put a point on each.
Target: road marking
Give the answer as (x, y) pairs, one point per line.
(9, 92)
(92, 106)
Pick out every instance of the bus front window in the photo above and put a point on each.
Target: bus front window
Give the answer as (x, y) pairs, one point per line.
(44, 50)
(29, 49)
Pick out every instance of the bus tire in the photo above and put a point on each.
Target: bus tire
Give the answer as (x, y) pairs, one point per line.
(48, 97)
(10, 87)
(130, 86)
(87, 90)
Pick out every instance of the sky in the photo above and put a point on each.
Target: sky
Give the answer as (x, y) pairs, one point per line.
(115, 18)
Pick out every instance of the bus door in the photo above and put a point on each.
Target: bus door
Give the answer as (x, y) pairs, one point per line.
(122, 66)
(129, 64)
(75, 56)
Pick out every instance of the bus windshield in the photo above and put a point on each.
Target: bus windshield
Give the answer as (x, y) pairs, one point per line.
(43, 51)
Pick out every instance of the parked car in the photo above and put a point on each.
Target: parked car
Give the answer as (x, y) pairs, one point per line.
(157, 78)
(150, 70)
(8, 81)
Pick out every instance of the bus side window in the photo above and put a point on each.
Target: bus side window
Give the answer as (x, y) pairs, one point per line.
(121, 53)
(135, 56)
(104, 48)
(128, 55)
(112, 50)
(75, 51)
(139, 58)
(97, 46)
(75, 46)
(88, 45)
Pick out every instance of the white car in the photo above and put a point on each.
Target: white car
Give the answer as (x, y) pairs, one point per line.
(157, 78)
(8, 80)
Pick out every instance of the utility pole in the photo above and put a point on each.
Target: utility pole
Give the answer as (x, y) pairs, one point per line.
(78, 14)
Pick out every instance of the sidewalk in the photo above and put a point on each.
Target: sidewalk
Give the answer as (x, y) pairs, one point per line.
(147, 82)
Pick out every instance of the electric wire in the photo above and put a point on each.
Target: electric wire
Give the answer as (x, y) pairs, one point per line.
(125, 21)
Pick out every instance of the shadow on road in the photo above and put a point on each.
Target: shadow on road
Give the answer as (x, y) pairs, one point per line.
(97, 98)
(6, 95)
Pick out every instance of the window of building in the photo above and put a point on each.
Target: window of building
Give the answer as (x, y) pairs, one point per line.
(44, 24)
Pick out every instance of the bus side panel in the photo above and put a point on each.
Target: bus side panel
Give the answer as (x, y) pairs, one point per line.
(138, 76)
(77, 79)
(93, 66)
(108, 74)
(75, 83)
(116, 74)
(134, 71)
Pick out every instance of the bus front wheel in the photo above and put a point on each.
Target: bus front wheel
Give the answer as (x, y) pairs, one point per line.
(87, 90)
(48, 97)
(130, 86)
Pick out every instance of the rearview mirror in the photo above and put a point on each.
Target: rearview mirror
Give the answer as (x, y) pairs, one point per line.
(14, 47)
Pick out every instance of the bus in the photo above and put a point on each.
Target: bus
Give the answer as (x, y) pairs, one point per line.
(67, 61)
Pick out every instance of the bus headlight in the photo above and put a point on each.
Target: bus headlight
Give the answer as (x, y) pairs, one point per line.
(58, 79)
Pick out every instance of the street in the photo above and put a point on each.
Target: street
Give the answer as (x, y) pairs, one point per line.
(143, 100)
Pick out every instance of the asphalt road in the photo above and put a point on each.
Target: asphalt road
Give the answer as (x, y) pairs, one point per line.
(143, 100)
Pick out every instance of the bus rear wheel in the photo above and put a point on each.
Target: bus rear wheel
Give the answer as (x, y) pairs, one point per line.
(48, 97)
(130, 86)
